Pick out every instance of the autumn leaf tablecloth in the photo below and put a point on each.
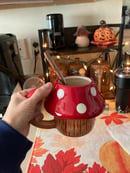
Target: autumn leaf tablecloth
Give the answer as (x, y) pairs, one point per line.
(96, 152)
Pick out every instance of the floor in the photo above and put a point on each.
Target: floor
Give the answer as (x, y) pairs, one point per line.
(31, 137)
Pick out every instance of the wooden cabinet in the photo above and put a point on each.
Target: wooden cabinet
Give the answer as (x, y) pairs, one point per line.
(8, 4)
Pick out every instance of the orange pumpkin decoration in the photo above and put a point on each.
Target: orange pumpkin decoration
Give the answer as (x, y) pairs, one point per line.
(104, 33)
(114, 158)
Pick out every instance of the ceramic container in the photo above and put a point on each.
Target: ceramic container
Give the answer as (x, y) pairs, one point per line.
(76, 68)
(82, 41)
(74, 106)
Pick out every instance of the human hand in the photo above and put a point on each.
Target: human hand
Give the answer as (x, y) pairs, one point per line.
(21, 110)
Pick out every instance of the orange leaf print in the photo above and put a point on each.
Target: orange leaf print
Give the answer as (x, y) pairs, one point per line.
(38, 142)
(33, 160)
(38, 150)
(114, 117)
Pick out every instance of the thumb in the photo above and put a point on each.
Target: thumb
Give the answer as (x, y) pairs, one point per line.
(41, 93)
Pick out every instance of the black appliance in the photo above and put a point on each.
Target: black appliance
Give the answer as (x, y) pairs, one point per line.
(9, 55)
(122, 78)
(55, 31)
(7, 86)
(123, 90)
(11, 70)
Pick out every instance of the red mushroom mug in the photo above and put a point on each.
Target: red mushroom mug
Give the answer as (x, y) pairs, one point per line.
(74, 106)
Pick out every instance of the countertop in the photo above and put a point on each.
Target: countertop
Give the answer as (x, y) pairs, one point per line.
(94, 152)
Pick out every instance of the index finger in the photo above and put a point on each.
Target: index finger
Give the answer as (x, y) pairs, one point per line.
(41, 93)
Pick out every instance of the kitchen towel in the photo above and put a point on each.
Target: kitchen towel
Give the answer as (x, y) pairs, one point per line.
(121, 133)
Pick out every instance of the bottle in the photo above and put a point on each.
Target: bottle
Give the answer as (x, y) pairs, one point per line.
(122, 81)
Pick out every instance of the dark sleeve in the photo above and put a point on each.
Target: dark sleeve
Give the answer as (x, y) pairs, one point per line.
(13, 149)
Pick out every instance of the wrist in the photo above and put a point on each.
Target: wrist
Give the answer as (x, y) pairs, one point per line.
(13, 124)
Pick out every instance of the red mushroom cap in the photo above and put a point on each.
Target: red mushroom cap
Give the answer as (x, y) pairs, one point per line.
(75, 102)
(81, 31)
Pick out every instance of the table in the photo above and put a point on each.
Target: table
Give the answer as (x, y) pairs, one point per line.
(96, 152)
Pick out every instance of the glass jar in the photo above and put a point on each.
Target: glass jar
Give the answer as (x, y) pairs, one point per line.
(76, 68)
(99, 70)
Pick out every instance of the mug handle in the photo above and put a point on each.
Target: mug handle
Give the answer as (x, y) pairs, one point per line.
(47, 124)
(44, 124)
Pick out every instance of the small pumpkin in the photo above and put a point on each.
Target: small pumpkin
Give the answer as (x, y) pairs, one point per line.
(114, 158)
(104, 33)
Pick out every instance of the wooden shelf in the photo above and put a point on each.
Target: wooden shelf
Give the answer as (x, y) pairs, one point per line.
(70, 47)
(9, 4)
(72, 51)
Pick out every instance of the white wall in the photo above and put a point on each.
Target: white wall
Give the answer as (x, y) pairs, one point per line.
(25, 22)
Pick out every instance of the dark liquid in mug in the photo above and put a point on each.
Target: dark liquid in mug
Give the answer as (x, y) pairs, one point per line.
(77, 81)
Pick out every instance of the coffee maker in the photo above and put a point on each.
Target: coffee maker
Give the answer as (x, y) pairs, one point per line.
(55, 30)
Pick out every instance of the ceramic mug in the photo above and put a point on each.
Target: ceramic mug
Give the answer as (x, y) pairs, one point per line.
(74, 106)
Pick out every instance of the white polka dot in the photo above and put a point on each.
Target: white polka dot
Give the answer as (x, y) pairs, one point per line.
(81, 108)
(93, 91)
(60, 93)
(58, 114)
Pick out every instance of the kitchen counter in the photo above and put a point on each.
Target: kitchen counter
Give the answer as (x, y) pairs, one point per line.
(94, 152)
